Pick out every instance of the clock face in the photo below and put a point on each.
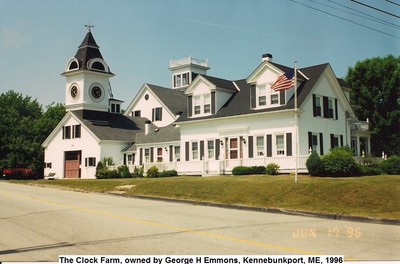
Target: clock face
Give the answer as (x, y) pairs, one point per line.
(74, 92)
(96, 93)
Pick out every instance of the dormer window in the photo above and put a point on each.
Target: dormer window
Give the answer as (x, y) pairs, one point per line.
(73, 65)
(262, 95)
(98, 66)
(202, 104)
(274, 99)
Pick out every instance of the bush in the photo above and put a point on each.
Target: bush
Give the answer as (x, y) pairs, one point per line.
(364, 170)
(242, 170)
(138, 172)
(314, 164)
(113, 174)
(123, 171)
(258, 170)
(168, 173)
(101, 171)
(272, 169)
(152, 172)
(339, 162)
(391, 165)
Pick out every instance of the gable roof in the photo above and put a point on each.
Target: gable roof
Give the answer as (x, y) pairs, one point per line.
(239, 103)
(157, 135)
(111, 126)
(173, 99)
(221, 83)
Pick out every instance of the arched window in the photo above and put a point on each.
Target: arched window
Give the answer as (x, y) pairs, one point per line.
(98, 66)
(73, 65)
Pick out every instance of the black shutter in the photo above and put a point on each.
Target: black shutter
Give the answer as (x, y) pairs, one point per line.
(269, 145)
(124, 159)
(217, 148)
(310, 140)
(187, 151)
(63, 132)
(253, 98)
(282, 95)
(189, 98)
(86, 163)
(332, 140)
(153, 114)
(251, 151)
(341, 140)
(152, 155)
(321, 145)
(171, 154)
(201, 149)
(314, 98)
(288, 144)
(336, 109)
(140, 156)
(213, 110)
(160, 113)
(325, 104)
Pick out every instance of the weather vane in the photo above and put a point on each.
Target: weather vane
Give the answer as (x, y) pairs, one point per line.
(89, 26)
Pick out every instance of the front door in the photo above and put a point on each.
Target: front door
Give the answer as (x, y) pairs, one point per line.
(72, 164)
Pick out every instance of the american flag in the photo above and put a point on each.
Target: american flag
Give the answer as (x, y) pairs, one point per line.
(284, 82)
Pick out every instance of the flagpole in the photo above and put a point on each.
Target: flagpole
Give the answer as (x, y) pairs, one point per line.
(295, 123)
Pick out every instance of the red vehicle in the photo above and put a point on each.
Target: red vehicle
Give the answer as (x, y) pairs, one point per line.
(19, 174)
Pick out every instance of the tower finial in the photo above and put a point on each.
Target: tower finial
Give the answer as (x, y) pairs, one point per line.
(89, 26)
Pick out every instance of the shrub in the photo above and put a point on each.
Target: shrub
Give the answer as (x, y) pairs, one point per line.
(113, 174)
(364, 170)
(152, 172)
(242, 170)
(101, 171)
(138, 172)
(391, 165)
(314, 164)
(258, 170)
(339, 162)
(272, 169)
(168, 173)
(123, 171)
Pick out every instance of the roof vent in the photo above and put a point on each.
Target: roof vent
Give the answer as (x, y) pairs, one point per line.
(267, 57)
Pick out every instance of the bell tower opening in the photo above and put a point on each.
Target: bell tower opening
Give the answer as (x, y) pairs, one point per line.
(185, 70)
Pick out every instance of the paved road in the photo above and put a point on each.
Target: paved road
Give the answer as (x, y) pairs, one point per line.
(39, 224)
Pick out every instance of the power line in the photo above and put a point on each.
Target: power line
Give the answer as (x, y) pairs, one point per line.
(392, 2)
(345, 19)
(365, 15)
(377, 9)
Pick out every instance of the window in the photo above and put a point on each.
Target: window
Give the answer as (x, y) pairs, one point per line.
(274, 99)
(76, 131)
(146, 155)
(157, 114)
(207, 103)
(159, 155)
(90, 162)
(330, 108)
(197, 104)
(69, 132)
(48, 165)
(315, 143)
(280, 145)
(181, 79)
(130, 159)
(66, 132)
(335, 140)
(260, 146)
(195, 150)
(210, 148)
(137, 113)
(177, 151)
(318, 107)
(262, 97)
(115, 108)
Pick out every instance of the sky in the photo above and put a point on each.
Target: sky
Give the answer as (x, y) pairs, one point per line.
(138, 38)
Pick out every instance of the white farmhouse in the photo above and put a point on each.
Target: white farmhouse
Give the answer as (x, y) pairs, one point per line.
(203, 125)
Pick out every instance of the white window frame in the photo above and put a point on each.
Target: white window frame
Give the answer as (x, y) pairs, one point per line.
(318, 99)
(315, 147)
(274, 98)
(261, 95)
(260, 148)
(177, 153)
(195, 151)
(211, 149)
(331, 107)
(281, 148)
(201, 104)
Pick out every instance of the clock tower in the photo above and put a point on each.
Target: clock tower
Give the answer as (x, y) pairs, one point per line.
(87, 85)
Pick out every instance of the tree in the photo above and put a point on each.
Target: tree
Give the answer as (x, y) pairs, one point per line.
(376, 89)
(24, 126)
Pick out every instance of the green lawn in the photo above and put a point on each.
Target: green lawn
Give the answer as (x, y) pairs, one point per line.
(374, 197)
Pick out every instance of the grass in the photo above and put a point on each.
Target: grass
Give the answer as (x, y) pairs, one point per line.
(375, 197)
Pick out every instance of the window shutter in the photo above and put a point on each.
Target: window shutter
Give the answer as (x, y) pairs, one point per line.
(321, 145)
(213, 110)
(314, 98)
(171, 154)
(253, 98)
(269, 145)
(309, 140)
(160, 113)
(63, 132)
(151, 154)
(325, 105)
(282, 95)
(153, 115)
(187, 150)
(288, 144)
(189, 106)
(332, 139)
(140, 156)
(336, 109)
(201, 149)
(251, 151)
(86, 163)
(217, 148)
(341, 140)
